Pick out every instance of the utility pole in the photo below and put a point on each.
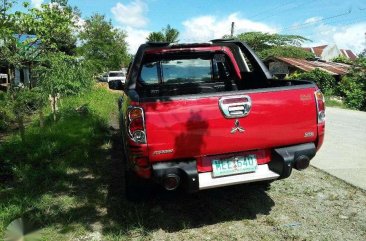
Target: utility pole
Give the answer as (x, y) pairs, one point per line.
(232, 29)
(4, 9)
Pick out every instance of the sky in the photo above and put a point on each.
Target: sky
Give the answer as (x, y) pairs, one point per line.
(341, 22)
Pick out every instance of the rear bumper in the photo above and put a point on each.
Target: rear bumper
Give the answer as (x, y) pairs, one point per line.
(282, 161)
(263, 173)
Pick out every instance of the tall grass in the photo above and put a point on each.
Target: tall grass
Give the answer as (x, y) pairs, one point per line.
(38, 175)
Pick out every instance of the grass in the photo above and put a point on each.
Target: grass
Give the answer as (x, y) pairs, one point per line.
(68, 185)
(55, 162)
(334, 102)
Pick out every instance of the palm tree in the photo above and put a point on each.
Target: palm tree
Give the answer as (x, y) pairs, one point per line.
(167, 34)
(171, 34)
(156, 37)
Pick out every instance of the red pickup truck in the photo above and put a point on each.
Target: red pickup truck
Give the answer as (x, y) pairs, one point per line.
(199, 116)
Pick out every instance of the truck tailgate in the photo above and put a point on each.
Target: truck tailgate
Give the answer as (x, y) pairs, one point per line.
(187, 127)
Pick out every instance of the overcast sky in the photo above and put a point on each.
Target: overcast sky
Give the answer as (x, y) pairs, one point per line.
(323, 21)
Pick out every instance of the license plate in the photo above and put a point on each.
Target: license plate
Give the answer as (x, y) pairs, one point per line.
(235, 165)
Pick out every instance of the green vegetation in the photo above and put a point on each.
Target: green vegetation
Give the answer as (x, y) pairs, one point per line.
(350, 91)
(5, 113)
(103, 46)
(168, 34)
(342, 59)
(353, 86)
(45, 179)
(334, 101)
(58, 67)
(324, 80)
(268, 45)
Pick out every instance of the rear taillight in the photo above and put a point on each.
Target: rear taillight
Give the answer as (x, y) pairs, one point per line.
(320, 106)
(136, 125)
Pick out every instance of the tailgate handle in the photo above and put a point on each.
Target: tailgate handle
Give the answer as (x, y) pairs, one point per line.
(235, 106)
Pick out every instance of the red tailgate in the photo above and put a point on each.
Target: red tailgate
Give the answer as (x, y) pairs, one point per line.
(186, 128)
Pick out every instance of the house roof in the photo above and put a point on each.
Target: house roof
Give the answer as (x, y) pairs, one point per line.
(318, 51)
(348, 54)
(307, 65)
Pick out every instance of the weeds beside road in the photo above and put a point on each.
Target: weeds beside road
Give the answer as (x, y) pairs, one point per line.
(69, 182)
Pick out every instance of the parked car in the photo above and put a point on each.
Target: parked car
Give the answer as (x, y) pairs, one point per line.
(200, 116)
(115, 79)
(103, 77)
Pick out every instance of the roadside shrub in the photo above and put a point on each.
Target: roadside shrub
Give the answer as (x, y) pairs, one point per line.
(64, 74)
(342, 59)
(325, 81)
(353, 85)
(6, 116)
(353, 93)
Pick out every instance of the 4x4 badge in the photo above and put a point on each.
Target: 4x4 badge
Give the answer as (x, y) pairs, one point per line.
(237, 127)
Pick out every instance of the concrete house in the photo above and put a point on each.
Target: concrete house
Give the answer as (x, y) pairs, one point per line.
(329, 52)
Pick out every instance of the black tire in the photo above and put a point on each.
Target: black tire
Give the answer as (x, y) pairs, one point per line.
(111, 85)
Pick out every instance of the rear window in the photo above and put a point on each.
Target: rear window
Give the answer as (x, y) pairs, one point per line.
(185, 69)
(116, 74)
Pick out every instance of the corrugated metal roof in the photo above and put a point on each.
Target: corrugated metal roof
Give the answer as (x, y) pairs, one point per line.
(307, 65)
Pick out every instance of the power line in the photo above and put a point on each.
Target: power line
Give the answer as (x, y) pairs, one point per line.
(300, 26)
(346, 23)
(286, 10)
(271, 9)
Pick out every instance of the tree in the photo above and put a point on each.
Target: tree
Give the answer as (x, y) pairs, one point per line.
(156, 37)
(168, 34)
(353, 85)
(20, 103)
(62, 75)
(286, 51)
(171, 34)
(61, 2)
(102, 45)
(325, 81)
(267, 45)
(342, 59)
(52, 25)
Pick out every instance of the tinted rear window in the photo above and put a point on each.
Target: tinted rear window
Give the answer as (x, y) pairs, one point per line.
(185, 68)
(116, 74)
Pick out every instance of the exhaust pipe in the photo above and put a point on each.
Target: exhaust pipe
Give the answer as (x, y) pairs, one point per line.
(171, 182)
(302, 162)
(286, 158)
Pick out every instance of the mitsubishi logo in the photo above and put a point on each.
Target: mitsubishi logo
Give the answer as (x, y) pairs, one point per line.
(237, 127)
